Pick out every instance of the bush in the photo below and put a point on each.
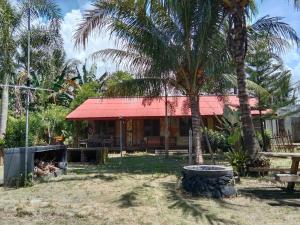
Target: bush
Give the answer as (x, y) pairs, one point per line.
(238, 160)
(87, 90)
(42, 125)
(15, 131)
(259, 162)
(217, 140)
(268, 136)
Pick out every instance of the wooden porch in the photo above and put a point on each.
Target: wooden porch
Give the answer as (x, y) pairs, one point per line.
(139, 134)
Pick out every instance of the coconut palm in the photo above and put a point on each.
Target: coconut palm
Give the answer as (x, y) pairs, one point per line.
(237, 12)
(181, 45)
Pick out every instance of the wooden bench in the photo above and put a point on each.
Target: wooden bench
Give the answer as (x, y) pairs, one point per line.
(293, 170)
(288, 178)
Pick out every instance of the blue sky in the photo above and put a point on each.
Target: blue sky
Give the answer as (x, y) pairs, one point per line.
(73, 9)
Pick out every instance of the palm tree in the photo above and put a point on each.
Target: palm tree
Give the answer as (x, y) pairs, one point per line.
(13, 21)
(237, 12)
(182, 42)
(181, 45)
(8, 22)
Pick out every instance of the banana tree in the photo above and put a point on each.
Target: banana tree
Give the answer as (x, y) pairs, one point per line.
(12, 23)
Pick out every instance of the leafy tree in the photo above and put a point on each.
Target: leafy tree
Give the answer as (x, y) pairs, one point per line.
(9, 20)
(54, 120)
(267, 70)
(86, 91)
(113, 80)
(14, 21)
(180, 44)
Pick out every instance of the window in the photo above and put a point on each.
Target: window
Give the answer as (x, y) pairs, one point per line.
(105, 128)
(151, 127)
(185, 124)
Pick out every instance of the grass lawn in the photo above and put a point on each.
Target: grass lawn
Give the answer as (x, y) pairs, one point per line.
(143, 189)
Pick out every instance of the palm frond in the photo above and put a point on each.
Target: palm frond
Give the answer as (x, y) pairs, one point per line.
(250, 85)
(279, 34)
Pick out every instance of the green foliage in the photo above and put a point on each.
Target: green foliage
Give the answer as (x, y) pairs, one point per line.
(2, 143)
(232, 127)
(218, 140)
(15, 131)
(116, 78)
(266, 69)
(42, 126)
(86, 91)
(54, 119)
(237, 159)
(268, 136)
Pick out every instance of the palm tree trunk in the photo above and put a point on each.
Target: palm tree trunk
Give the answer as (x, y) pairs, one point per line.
(196, 127)
(239, 48)
(4, 109)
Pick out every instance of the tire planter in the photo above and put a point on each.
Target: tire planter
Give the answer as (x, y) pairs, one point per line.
(209, 181)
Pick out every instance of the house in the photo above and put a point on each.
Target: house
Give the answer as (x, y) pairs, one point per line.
(140, 121)
(288, 122)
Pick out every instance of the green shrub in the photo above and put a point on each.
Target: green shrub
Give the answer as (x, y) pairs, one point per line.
(50, 122)
(238, 160)
(217, 140)
(15, 131)
(268, 136)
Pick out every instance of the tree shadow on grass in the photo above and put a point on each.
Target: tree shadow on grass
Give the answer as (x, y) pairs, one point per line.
(274, 196)
(189, 207)
(129, 199)
(80, 178)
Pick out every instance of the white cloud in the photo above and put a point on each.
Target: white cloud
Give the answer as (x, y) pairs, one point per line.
(292, 62)
(296, 72)
(95, 43)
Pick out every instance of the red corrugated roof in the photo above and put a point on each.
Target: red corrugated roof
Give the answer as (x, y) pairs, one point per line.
(137, 107)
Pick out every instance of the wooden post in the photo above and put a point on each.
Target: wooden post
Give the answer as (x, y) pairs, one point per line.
(121, 136)
(166, 122)
(294, 170)
(190, 147)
